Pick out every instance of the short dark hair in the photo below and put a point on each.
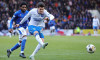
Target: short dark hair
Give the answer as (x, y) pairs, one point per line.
(23, 3)
(40, 4)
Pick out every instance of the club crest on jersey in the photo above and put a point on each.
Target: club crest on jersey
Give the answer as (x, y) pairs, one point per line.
(34, 29)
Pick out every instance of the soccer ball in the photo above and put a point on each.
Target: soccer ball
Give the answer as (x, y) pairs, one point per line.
(90, 48)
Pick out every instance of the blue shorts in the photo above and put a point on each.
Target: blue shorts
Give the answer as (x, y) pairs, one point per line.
(94, 27)
(32, 29)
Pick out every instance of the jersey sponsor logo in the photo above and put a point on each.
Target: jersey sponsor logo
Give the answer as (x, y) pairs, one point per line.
(38, 19)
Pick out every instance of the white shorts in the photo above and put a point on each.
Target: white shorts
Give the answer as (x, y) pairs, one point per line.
(52, 27)
(21, 31)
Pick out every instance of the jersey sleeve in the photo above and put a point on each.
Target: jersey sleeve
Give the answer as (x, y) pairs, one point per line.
(98, 22)
(49, 23)
(54, 23)
(13, 18)
(50, 16)
(26, 17)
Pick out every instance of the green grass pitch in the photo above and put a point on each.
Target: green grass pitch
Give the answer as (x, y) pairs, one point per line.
(59, 48)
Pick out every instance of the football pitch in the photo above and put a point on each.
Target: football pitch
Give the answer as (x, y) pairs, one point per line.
(59, 48)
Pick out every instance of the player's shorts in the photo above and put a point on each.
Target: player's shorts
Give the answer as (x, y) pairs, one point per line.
(52, 27)
(21, 31)
(32, 29)
(94, 27)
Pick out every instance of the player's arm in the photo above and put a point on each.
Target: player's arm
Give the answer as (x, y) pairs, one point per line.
(98, 23)
(11, 22)
(48, 16)
(54, 23)
(25, 18)
(49, 23)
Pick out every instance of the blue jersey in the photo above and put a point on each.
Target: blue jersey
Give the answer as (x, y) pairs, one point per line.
(17, 17)
(51, 23)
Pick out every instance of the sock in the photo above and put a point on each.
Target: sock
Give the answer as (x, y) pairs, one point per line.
(10, 35)
(23, 45)
(94, 32)
(52, 33)
(36, 49)
(15, 47)
(38, 39)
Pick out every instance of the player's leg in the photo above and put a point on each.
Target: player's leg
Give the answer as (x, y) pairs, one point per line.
(9, 34)
(12, 49)
(38, 47)
(24, 38)
(52, 30)
(36, 34)
(35, 51)
(38, 37)
(23, 47)
(33, 30)
(94, 30)
(15, 46)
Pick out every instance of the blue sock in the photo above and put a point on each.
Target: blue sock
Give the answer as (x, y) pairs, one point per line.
(23, 44)
(15, 47)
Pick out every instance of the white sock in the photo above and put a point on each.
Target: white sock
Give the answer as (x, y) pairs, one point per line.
(10, 35)
(94, 32)
(36, 49)
(22, 52)
(53, 33)
(39, 39)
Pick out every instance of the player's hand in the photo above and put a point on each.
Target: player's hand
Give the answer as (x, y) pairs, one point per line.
(46, 18)
(11, 30)
(17, 25)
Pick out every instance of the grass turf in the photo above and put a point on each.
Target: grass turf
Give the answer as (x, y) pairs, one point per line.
(59, 48)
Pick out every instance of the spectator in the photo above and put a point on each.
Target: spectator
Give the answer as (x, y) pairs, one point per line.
(74, 11)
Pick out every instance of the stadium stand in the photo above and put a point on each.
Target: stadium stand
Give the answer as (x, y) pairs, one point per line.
(68, 13)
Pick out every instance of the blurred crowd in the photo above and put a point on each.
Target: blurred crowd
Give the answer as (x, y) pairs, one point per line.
(68, 13)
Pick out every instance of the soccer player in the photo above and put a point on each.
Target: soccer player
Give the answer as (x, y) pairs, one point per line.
(17, 17)
(52, 23)
(36, 24)
(95, 25)
(8, 25)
